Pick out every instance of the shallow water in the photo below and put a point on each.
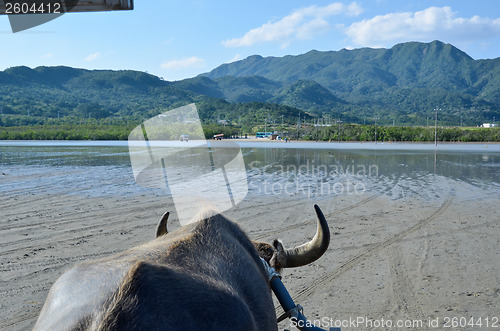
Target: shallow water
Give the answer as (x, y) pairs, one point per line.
(294, 169)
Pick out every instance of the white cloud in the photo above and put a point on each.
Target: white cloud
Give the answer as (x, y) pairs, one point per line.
(311, 28)
(190, 62)
(93, 57)
(429, 24)
(48, 56)
(304, 23)
(237, 57)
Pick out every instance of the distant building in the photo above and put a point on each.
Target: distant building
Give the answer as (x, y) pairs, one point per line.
(219, 136)
(489, 125)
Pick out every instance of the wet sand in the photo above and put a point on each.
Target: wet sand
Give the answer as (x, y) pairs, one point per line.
(392, 257)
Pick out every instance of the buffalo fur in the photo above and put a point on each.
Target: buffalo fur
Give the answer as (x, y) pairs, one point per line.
(204, 276)
(274, 254)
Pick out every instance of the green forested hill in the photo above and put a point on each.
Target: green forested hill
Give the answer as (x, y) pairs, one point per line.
(400, 85)
(309, 95)
(61, 91)
(66, 96)
(403, 83)
(348, 73)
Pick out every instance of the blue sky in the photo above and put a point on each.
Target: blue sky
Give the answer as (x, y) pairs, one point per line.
(177, 39)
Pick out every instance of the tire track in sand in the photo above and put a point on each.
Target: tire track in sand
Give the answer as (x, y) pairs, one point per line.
(327, 216)
(329, 277)
(313, 220)
(403, 293)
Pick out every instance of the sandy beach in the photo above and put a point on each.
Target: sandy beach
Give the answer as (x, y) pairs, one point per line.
(421, 258)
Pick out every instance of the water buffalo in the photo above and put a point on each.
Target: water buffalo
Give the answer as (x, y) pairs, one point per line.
(204, 276)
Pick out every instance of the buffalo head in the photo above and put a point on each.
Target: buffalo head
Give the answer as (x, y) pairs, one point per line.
(276, 254)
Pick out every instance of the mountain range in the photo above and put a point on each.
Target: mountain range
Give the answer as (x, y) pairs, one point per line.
(402, 85)
(406, 81)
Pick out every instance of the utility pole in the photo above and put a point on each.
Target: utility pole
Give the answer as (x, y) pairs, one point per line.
(298, 127)
(376, 118)
(435, 128)
(317, 128)
(339, 121)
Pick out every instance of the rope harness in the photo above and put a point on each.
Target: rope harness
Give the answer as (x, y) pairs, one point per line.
(292, 311)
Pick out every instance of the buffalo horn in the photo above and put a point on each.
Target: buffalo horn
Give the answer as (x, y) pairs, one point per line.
(161, 228)
(312, 250)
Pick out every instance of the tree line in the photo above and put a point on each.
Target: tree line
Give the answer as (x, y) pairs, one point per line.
(95, 131)
(100, 130)
(355, 132)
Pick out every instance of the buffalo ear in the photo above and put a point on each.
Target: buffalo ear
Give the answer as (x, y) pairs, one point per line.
(264, 250)
(161, 228)
(278, 260)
